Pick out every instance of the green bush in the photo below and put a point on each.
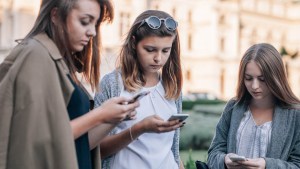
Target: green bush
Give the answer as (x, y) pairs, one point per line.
(198, 132)
(188, 105)
(190, 163)
(199, 129)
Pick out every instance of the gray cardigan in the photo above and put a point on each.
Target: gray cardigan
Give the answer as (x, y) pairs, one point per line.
(111, 86)
(284, 151)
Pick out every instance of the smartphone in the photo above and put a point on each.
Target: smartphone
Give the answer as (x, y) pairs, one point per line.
(180, 117)
(235, 158)
(139, 96)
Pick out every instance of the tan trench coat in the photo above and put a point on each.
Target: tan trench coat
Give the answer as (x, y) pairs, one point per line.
(35, 132)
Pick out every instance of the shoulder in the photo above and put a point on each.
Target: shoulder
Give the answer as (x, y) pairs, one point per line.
(111, 79)
(230, 104)
(111, 83)
(32, 53)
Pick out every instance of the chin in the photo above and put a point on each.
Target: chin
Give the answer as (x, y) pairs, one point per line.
(78, 48)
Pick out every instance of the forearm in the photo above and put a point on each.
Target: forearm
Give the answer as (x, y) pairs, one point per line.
(114, 143)
(97, 134)
(85, 123)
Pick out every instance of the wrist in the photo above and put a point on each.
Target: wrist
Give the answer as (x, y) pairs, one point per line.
(136, 130)
(97, 115)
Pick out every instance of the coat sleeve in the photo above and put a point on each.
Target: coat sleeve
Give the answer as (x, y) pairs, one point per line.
(218, 147)
(40, 132)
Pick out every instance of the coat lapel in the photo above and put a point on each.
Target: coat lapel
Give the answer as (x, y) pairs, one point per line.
(279, 133)
(67, 86)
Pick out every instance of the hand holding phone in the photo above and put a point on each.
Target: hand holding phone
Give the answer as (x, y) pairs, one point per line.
(235, 158)
(180, 117)
(135, 98)
(139, 96)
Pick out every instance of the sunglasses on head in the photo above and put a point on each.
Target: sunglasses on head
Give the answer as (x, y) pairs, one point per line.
(154, 23)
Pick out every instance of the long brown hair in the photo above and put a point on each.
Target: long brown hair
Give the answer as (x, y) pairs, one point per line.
(90, 55)
(132, 74)
(270, 62)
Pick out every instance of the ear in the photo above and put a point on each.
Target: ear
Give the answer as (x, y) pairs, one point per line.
(54, 16)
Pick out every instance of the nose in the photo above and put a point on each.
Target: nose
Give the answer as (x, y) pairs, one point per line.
(158, 57)
(91, 32)
(255, 84)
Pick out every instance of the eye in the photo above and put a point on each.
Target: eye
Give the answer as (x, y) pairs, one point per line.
(248, 78)
(262, 79)
(166, 51)
(149, 49)
(85, 21)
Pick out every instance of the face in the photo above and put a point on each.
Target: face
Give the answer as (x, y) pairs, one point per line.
(153, 52)
(255, 82)
(81, 23)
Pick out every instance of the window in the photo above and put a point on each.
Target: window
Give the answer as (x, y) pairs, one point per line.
(190, 41)
(190, 17)
(188, 75)
(124, 23)
(222, 44)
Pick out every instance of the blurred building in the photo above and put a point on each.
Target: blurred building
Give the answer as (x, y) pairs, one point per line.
(16, 19)
(214, 35)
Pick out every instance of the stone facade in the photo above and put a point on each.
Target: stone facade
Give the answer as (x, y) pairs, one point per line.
(214, 35)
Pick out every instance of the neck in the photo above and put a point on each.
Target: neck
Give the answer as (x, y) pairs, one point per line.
(262, 104)
(151, 79)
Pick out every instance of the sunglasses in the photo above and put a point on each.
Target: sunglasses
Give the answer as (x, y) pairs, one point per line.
(154, 23)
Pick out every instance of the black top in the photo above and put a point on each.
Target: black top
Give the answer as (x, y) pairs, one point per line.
(78, 106)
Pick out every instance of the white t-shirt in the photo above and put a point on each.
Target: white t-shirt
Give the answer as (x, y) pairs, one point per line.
(150, 150)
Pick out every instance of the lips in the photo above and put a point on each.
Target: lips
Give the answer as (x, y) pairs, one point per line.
(84, 42)
(256, 93)
(155, 66)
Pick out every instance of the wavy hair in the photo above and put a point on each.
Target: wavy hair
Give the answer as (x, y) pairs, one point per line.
(90, 55)
(131, 69)
(270, 63)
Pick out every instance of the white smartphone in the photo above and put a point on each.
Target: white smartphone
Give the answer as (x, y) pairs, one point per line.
(180, 117)
(139, 96)
(235, 158)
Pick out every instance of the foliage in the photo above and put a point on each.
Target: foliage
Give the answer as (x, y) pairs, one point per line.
(190, 163)
(195, 154)
(199, 129)
(188, 105)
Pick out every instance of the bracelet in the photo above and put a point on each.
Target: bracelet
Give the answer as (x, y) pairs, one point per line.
(130, 134)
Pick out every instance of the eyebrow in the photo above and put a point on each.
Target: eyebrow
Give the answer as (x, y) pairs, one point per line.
(149, 46)
(252, 76)
(90, 16)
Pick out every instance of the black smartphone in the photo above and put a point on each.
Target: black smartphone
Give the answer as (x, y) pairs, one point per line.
(139, 96)
(180, 117)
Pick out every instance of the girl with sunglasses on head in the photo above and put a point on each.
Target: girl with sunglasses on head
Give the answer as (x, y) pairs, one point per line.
(149, 61)
(43, 105)
(262, 122)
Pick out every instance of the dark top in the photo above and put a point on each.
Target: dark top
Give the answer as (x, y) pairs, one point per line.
(78, 106)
